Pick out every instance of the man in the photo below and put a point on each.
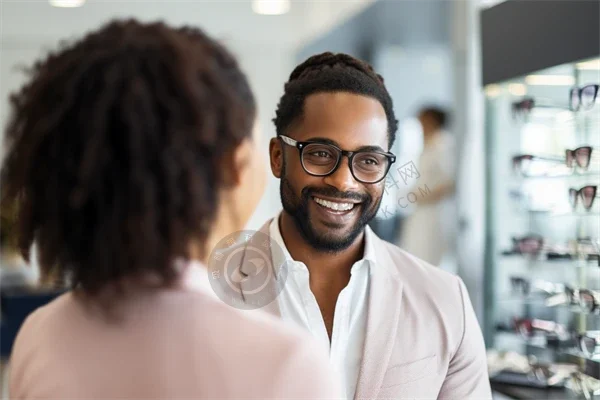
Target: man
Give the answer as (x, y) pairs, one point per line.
(395, 326)
(429, 231)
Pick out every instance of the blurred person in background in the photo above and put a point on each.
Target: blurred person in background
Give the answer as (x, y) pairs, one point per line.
(393, 325)
(131, 152)
(429, 232)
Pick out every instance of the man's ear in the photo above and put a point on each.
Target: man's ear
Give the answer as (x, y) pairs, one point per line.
(235, 162)
(276, 157)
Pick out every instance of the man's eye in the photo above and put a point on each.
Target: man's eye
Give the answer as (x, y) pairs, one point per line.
(370, 161)
(323, 154)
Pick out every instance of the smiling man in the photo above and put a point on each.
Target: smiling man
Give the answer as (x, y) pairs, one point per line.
(394, 326)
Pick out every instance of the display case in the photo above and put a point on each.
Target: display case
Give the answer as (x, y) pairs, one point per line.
(543, 297)
(542, 133)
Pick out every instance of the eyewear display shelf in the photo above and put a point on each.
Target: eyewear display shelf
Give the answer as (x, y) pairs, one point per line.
(543, 268)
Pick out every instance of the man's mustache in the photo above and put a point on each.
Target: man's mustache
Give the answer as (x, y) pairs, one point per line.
(334, 194)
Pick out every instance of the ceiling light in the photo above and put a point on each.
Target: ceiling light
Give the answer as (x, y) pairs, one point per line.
(67, 3)
(492, 90)
(550, 80)
(271, 7)
(589, 65)
(517, 89)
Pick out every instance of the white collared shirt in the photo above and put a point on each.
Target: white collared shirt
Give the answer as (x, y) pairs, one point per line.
(299, 306)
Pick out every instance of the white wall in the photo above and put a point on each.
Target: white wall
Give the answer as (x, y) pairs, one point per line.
(268, 70)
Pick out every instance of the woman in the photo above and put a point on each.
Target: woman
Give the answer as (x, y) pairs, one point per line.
(131, 154)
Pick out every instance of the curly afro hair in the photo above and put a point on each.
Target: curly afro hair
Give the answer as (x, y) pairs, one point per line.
(329, 72)
(114, 147)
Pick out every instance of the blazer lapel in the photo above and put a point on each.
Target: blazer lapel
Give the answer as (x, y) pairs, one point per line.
(273, 307)
(385, 297)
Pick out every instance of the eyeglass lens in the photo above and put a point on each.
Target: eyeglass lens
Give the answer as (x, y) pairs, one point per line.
(322, 159)
(588, 95)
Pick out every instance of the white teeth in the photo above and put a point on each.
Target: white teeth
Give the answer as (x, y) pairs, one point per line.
(334, 206)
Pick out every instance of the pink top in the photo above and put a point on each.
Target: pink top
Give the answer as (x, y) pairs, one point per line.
(181, 342)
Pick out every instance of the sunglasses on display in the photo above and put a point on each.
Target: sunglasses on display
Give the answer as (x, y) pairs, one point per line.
(323, 159)
(587, 300)
(546, 374)
(536, 372)
(589, 343)
(520, 285)
(531, 165)
(587, 194)
(531, 245)
(528, 327)
(583, 385)
(583, 248)
(523, 107)
(580, 156)
(583, 98)
(557, 335)
(525, 286)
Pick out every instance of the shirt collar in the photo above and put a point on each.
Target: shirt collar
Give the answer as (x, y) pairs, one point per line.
(275, 234)
(285, 256)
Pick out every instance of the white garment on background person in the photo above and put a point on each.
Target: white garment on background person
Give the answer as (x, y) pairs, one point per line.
(429, 232)
(299, 307)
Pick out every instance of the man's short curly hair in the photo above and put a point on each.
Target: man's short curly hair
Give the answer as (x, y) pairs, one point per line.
(114, 147)
(329, 72)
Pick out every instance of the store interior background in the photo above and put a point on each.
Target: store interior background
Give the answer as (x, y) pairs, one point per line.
(427, 52)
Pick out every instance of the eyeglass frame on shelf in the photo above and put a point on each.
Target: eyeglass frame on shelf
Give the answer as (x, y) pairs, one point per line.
(579, 91)
(574, 194)
(583, 385)
(572, 158)
(341, 153)
(587, 340)
(575, 297)
(523, 107)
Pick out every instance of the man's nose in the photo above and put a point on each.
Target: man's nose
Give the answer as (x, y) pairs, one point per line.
(342, 178)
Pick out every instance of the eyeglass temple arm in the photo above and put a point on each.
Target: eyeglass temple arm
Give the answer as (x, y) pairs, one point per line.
(288, 140)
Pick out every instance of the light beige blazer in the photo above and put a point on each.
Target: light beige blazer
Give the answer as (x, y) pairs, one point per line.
(182, 343)
(423, 340)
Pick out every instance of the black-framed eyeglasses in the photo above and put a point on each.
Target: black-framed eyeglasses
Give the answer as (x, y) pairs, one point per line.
(580, 156)
(323, 159)
(523, 107)
(583, 98)
(587, 194)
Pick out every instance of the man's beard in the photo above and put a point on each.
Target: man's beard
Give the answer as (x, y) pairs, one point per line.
(297, 208)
